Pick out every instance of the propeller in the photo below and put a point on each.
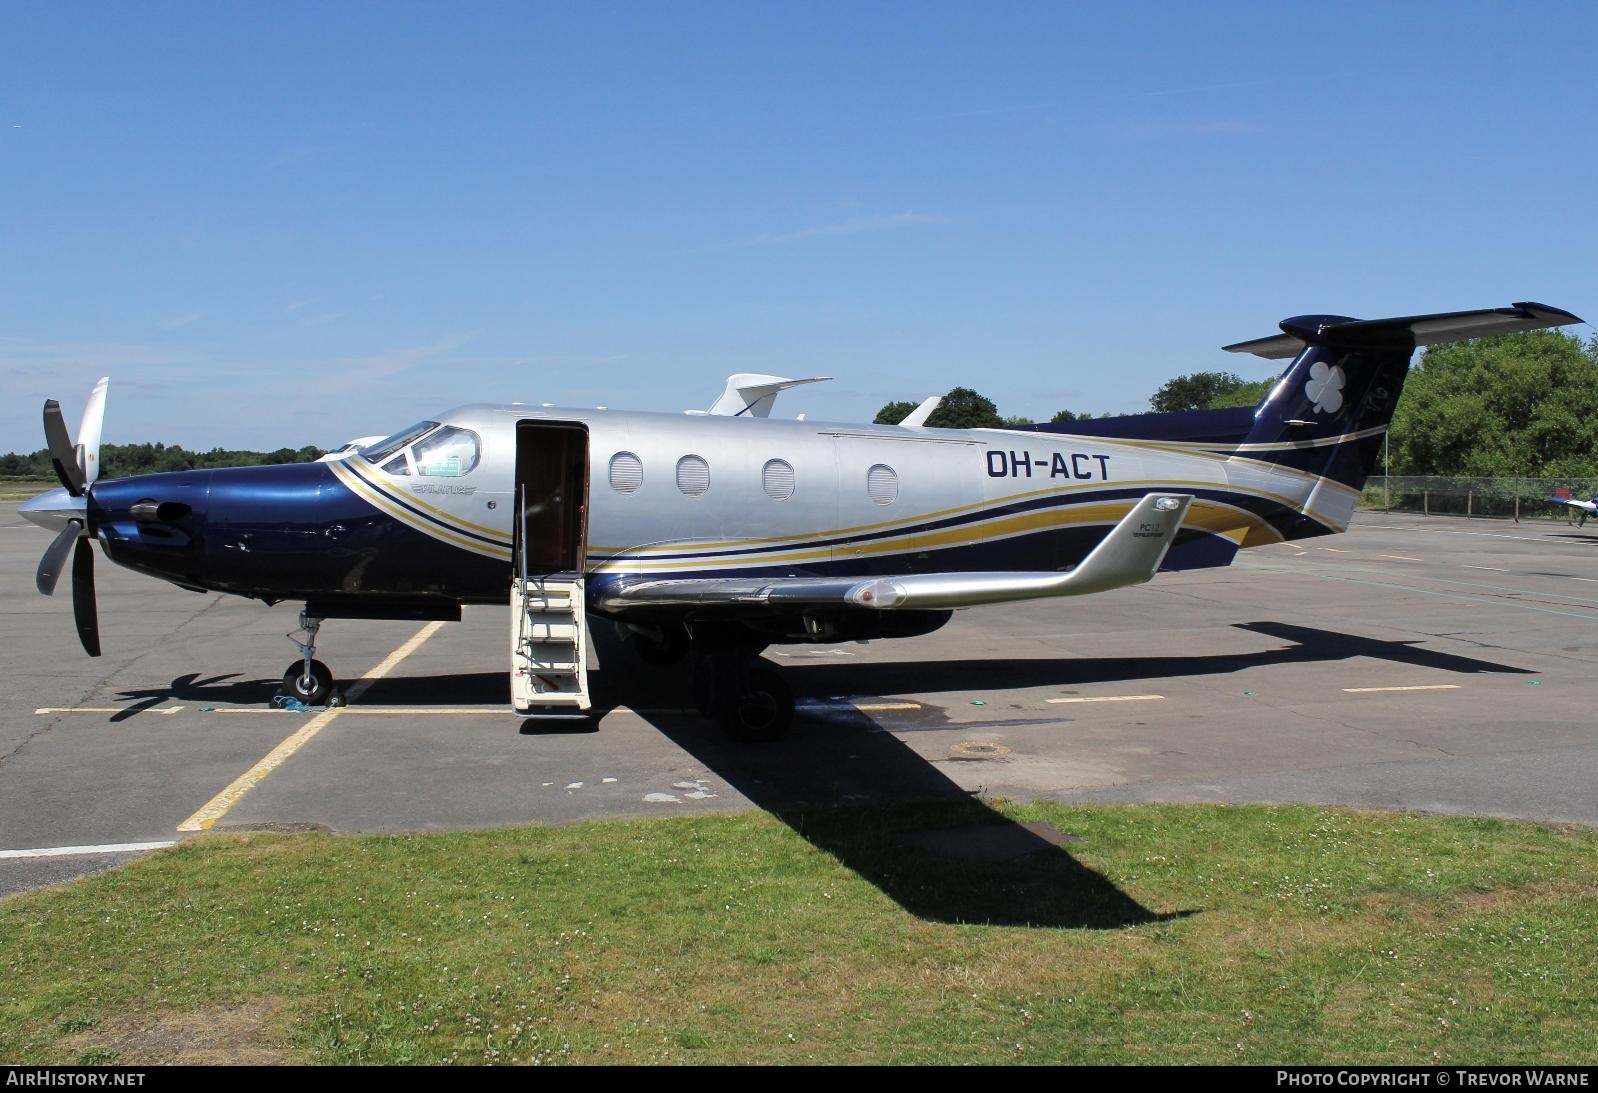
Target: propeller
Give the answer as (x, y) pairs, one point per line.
(78, 467)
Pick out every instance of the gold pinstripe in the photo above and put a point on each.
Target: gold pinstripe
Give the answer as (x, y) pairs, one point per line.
(1217, 518)
(362, 489)
(382, 487)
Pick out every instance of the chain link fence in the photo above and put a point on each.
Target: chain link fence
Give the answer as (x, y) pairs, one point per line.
(1491, 498)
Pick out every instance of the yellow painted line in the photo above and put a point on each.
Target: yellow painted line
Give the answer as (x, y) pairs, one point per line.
(1426, 687)
(874, 707)
(104, 709)
(219, 806)
(385, 711)
(1107, 698)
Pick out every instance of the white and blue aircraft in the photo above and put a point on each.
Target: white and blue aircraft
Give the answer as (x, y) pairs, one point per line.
(714, 536)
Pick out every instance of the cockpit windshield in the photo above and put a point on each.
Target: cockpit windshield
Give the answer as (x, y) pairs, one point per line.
(380, 451)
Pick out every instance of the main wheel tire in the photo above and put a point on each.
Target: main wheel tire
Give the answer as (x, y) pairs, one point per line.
(762, 713)
(312, 691)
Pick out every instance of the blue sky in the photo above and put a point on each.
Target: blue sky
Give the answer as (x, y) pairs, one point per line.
(289, 224)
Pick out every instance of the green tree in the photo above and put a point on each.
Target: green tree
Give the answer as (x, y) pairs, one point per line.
(893, 413)
(1197, 391)
(1067, 415)
(1508, 405)
(1248, 393)
(963, 408)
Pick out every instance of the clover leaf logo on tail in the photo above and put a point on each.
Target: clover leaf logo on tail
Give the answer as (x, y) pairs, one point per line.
(1325, 387)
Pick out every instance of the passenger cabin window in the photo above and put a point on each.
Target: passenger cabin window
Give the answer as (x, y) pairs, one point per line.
(777, 479)
(882, 483)
(693, 475)
(448, 453)
(626, 472)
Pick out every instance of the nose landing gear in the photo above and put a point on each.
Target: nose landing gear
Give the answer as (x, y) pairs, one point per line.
(307, 679)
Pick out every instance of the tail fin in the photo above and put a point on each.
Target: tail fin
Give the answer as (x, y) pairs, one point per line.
(1328, 414)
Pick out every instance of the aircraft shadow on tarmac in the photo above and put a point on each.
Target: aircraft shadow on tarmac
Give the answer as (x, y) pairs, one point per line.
(1310, 645)
(223, 690)
(864, 797)
(836, 762)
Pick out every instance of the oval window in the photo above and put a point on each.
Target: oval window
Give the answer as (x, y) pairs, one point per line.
(777, 478)
(626, 472)
(882, 483)
(693, 475)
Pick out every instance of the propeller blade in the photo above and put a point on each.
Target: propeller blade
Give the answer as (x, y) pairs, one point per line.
(62, 454)
(55, 557)
(89, 432)
(84, 612)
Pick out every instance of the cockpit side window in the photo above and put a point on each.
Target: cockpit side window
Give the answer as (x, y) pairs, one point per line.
(379, 452)
(448, 453)
(398, 465)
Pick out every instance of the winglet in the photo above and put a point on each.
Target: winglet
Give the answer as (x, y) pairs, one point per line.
(751, 394)
(917, 418)
(1133, 550)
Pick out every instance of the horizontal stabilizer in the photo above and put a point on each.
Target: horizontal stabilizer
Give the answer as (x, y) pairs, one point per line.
(1130, 554)
(1406, 332)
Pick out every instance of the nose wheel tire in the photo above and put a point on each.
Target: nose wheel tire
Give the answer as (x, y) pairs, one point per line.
(313, 690)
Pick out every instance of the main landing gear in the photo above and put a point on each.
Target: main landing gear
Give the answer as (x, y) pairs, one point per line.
(735, 687)
(307, 679)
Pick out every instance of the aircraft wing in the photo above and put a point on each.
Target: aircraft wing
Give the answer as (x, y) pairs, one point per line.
(1130, 554)
(1575, 503)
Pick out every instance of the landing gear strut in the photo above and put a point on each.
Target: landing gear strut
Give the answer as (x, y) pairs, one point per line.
(733, 686)
(307, 679)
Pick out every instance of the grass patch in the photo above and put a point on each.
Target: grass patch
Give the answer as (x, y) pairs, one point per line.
(1175, 934)
(20, 489)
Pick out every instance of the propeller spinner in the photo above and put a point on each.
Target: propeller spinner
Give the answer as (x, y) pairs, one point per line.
(65, 510)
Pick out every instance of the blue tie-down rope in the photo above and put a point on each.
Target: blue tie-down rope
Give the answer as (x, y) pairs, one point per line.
(289, 704)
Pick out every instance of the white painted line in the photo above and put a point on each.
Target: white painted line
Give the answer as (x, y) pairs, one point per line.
(1426, 687)
(104, 709)
(1488, 568)
(1592, 579)
(218, 806)
(1451, 531)
(83, 851)
(1400, 558)
(1337, 550)
(1107, 698)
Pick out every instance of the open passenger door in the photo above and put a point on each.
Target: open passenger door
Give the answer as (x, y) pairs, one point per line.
(549, 632)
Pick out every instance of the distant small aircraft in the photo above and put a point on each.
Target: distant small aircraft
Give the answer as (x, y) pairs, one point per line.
(1582, 509)
(713, 536)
